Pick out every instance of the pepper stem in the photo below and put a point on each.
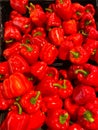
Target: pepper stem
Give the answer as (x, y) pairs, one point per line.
(33, 100)
(28, 48)
(62, 118)
(78, 13)
(49, 10)
(9, 41)
(32, 5)
(61, 1)
(60, 86)
(88, 22)
(37, 33)
(88, 116)
(19, 107)
(27, 25)
(75, 54)
(81, 71)
(83, 33)
(1, 75)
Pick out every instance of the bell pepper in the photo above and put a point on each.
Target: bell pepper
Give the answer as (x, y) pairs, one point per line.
(19, 6)
(71, 107)
(70, 27)
(58, 119)
(87, 20)
(36, 120)
(63, 74)
(78, 55)
(52, 72)
(4, 70)
(88, 75)
(18, 64)
(37, 14)
(75, 126)
(30, 53)
(31, 101)
(52, 19)
(26, 38)
(38, 31)
(88, 118)
(15, 85)
(77, 10)
(23, 23)
(13, 49)
(11, 32)
(13, 14)
(63, 9)
(4, 103)
(90, 8)
(52, 102)
(56, 36)
(48, 53)
(39, 69)
(82, 94)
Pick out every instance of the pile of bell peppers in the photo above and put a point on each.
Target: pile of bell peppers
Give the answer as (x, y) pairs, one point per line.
(49, 75)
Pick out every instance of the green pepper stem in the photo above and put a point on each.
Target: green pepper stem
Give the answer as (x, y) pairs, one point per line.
(61, 1)
(28, 48)
(1, 75)
(78, 13)
(62, 118)
(88, 22)
(32, 5)
(33, 100)
(37, 33)
(49, 10)
(88, 116)
(18, 98)
(19, 107)
(81, 71)
(75, 54)
(60, 86)
(83, 33)
(27, 25)
(9, 41)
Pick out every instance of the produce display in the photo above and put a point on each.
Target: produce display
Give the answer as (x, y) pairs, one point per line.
(49, 71)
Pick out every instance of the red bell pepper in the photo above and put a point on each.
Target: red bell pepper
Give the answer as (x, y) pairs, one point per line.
(11, 32)
(19, 6)
(4, 70)
(58, 119)
(77, 10)
(38, 31)
(88, 75)
(13, 14)
(88, 118)
(39, 69)
(90, 8)
(13, 49)
(70, 27)
(63, 74)
(63, 9)
(4, 103)
(18, 64)
(23, 23)
(16, 85)
(78, 55)
(87, 20)
(82, 94)
(31, 101)
(37, 14)
(15, 119)
(56, 36)
(65, 88)
(36, 120)
(48, 53)
(75, 126)
(30, 53)
(52, 102)
(27, 38)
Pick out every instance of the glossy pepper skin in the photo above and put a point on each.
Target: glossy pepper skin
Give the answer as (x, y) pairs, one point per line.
(19, 6)
(22, 23)
(60, 119)
(37, 15)
(78, 55)
(75, 126)
(15, 119)
(30, 53)
(89, 8)
(63, 9)
(82, 94)
(88, 75)
(31, 101)
(48, 53)
(4, 70)
(11, 32)
(56, 36)
(16, 85)
(13, 14)
(88, 118)
(39, 69)
(18, 64)
(4, 103)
